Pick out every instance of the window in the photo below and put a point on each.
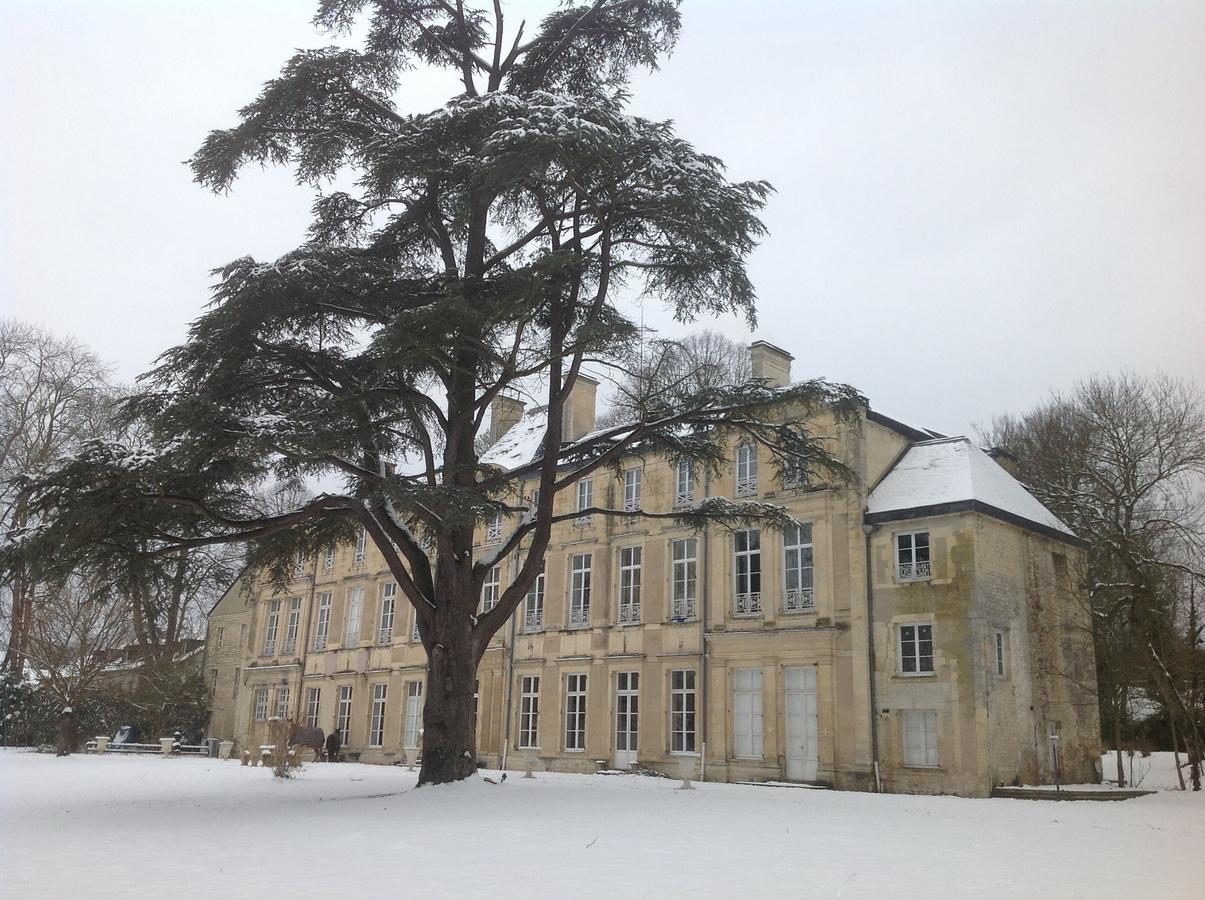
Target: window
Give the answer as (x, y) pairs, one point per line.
(747, 545)
(682, 711)
(631, 490)
(685, 576)
(237, 677)
(684, 493)
(920, 737)
(355, 604)
(414, 715)
(415, 636)
(585, 499)
(343, 714)
(580, 575)
(213, 682)
(361, 547)
(529, 712)
(299, 564)
(629, 585)
(746, 470)
(575, 712)
(912, 556)
(388, 606)
(998, 650)
(260, 705)
(376, 724)
(294, 623)
(221, 637)
(491, 589)
(747, 712)
(313, 697)
(800, 594)
(533, 605)
(270, 628)
(323, 627)
(282, 702)
(493, 528)
(328, 560)
(916, 649)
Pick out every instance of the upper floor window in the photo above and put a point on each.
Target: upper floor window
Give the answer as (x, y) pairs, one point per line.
(916, 649)
(361, 547)
(580, 578)
(912, 556)
(294, 624)
(328, 560)
(351, 625)
(493, 528)
(630, 559)
(533, 605)
(270, 628)
(684, 492)
(221, 636)
(998, 656)
(388, 608)
(631, 490)
(800, 594)
(299, 564)
(585, 499)
(322, 627)
(491, 589)
(747, 548)
(746, 470)
(685, 574)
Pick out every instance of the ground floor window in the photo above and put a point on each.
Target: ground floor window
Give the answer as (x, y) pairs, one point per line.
(529, 712)
(376, 723)
(747, 712)
(414, 715)
(312, 699)
(282, 702)
(343, 714)
(682, 711)
(575, 711)
(920, 737)
(260, 706)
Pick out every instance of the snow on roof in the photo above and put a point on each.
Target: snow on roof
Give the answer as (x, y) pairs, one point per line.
(521, 443)
(953, 470)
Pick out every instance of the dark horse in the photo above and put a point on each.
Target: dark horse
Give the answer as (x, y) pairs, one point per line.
(307, 736)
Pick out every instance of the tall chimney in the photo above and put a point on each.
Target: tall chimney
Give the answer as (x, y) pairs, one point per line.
(505, 412)
(579, 408)
(770, 363)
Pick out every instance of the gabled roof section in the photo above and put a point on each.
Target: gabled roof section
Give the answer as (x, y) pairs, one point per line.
(951, 474)
(908, 431)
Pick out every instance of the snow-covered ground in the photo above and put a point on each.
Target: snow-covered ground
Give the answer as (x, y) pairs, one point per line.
(142, 826)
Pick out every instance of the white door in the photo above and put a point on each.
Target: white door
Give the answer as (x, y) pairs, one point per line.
(803, 747)
(627, 714)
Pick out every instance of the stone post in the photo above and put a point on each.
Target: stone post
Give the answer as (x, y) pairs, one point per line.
(225, 748)
(102, 744)
(165, 745)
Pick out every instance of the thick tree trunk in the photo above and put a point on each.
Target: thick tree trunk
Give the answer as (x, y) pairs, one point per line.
(449, 739)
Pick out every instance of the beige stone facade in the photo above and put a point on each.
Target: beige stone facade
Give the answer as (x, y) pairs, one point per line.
(832, 654)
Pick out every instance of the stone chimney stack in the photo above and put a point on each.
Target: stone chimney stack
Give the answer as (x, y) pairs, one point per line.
(773, 364)
(579, 408)
(504, 413)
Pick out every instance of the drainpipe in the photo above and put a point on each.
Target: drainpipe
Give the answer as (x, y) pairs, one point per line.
(874, 725)
(704, 583)
(309, 624)
(508, 670)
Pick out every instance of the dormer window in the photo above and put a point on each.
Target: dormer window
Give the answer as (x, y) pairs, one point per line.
(746, 470)
(912, 556)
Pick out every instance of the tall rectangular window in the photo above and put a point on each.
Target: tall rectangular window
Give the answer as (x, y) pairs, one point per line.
(328, 560)
(355, 606)
(343, 714)
(631, 490)
(414, 715)
(575, 711)
(580, 577)
(322, 628)
(998, 652)
(313, 698)
(388, 608)
(747, 712)
(415, 635)
(361, 547)
(682, 711)
(916, 649)
(293, 625)
(213, 682)
(533, 605)
(912, 556)
(376, 723)
(684, 491)
(491, 589)
(685, 575)
(299, 564)
(260, 705)
(746, 470)
(585, 500)
(629, 584)
(747, 544)
(529, 712)
(493, 528)
(282, 702)
(800, 594)
(271, 627)
(221, 637)
(920, 737)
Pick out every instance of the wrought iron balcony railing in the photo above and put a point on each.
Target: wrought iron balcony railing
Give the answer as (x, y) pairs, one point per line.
(915, 571)
(629, 613)
(747, 604)
(801, 600)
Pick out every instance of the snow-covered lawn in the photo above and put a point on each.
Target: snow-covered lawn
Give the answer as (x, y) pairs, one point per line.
(145, 826)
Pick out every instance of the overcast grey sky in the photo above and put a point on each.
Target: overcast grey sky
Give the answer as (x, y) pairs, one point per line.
(977, 202)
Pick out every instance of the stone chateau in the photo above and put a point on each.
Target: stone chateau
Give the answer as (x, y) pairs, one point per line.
(921, 630)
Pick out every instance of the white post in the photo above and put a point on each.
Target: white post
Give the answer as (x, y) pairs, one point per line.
(165, 745)
(102, 744)
(505, 747)
(225, 748)
(687, 765)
